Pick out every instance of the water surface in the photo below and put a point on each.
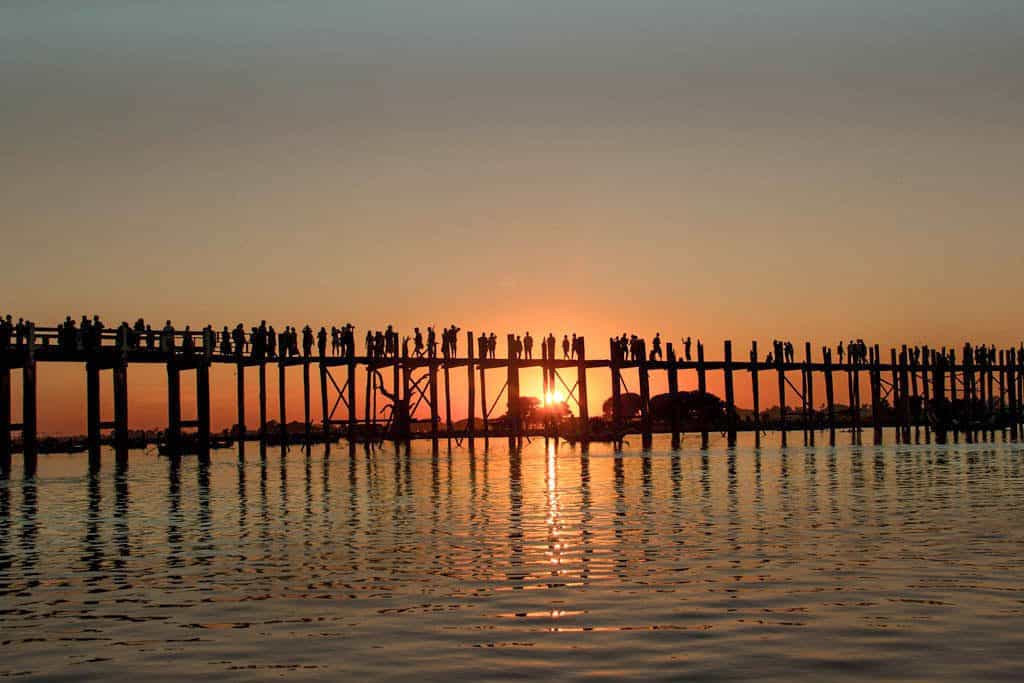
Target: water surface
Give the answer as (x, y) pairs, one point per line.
(846, 563)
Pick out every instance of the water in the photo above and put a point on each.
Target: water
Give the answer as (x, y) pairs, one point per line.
(852, 563)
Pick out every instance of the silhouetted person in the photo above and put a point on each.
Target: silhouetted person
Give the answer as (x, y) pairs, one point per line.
(492, 345)
(417, 343)
(656, 346)
(527, 345)
(481, 345)
(686, 348)
(167, 338)
(321, 341)
(839, 351)
(565, 346)
(307, 342)
(574, 346)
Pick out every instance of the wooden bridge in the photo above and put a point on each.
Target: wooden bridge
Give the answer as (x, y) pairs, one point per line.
(930, 390)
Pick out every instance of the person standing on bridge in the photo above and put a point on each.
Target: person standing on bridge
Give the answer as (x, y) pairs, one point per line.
(167, 338)
(492, 345)
(656, 346)
(527, 345)
(417, 343)
(551, 345)
(565, 346)
(686, 348)
(431, 342)
(481, 345)
(307, 342)
(321, 341)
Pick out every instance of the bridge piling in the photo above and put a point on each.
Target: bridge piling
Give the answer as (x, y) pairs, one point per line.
(5, 419)
(173, 407)
(644, 381)
(673, 392)
(830, 404)
(263, 400)
(702, 390)
(203, 410)
(730, 397)
(240, 401)
(29, 437)
(471, 389)
(581, 380)
(92, 413)
(282, 401)
(120, 374)
(782, 393)
(755, 390)
(307, 420)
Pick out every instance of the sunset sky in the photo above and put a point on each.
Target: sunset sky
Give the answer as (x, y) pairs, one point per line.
(741, 169)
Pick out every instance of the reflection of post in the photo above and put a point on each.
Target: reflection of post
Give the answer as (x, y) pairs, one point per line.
(673, 392)
(730, 398)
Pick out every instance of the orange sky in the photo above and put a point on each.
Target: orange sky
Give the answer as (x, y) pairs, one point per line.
(745, 170)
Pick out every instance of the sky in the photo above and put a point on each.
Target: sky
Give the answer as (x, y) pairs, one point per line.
(724, 169)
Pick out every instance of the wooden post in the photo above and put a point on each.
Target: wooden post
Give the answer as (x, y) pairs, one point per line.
(645, 398)
(991, 405)
(447, 402)
(856, 406)
(351, 432)
(282, 407)
(702, 389)
(804, 414)
(912, 408)
(203, 408)
(756, 391)
(513, 389)
(830, 397)
(1011, 390)
(305, 397)
(809, 392)
(875, 376)
(615, 362)
(782, 392)
(29, 441)
(730, 397)
(240, 400)
(325, 417)
(263, 400)
(121, 412)
(926, 362)
(968, 384)
(896, 400)
(92, 412)
(952, 394)
(904, 394)
(939, 405)
(432, 370)
(173, 407)
(673, 392)
(371, 385)
(5, 416)
(483, 399)
(581, 380)
(471, 390)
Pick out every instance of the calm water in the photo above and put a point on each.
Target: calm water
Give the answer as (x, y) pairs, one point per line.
(847, 563)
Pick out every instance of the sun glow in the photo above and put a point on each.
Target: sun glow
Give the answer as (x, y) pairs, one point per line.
(553, 398)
